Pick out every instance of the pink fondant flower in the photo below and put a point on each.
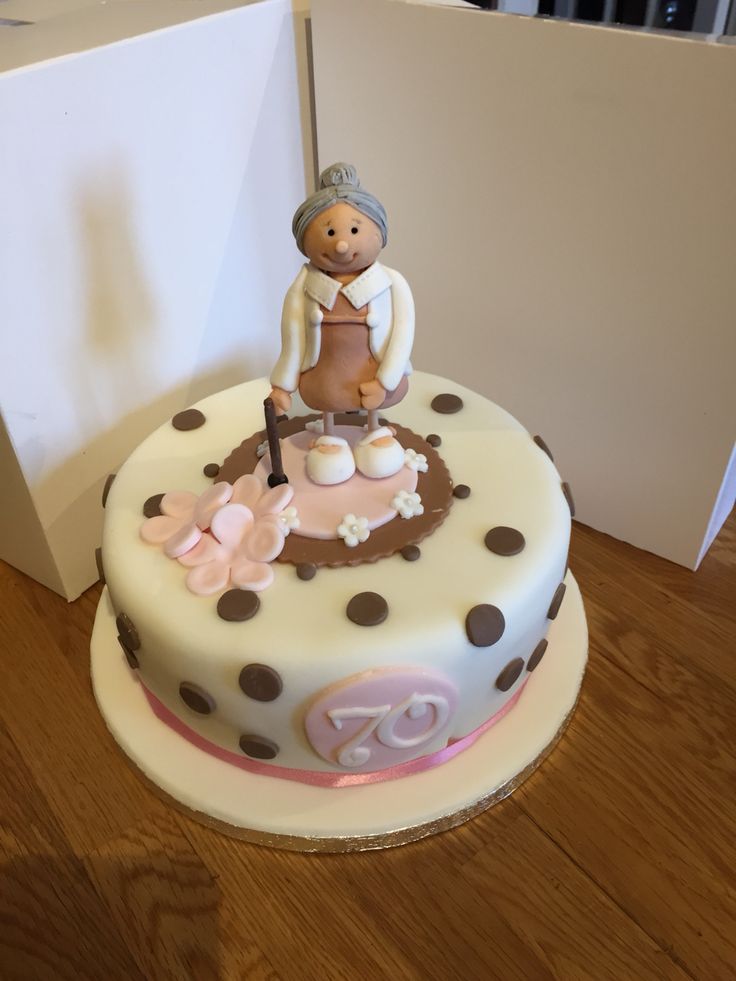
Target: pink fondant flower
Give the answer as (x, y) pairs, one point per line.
(226, 536)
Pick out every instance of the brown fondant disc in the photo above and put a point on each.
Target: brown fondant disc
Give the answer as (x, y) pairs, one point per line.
(447, 404)
(126, 629)
(484, 625)
(211, 469)
(306, 571)
(434, 440)
(543, 446)
(554, 607)
(367, 609)
(237, 605)
(188, 419)
(152, 506)
(129, 654)
(461, 491)
(568, 497)
(98, 563)
(434, 487)
(411, 552)
(260, 682)
(196, 698)
(258, 747)
(106, 489)
(537, 655)
(510, 674)
(504, 541)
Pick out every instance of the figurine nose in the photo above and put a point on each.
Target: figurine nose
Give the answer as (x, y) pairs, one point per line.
(341, 248)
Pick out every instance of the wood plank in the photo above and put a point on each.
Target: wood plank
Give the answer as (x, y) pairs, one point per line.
(52, 717)
(51, 923)
(162, 899)
(635, 795)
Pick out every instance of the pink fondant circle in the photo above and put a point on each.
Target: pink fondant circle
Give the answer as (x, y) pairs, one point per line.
(321, 509)
(380, 718)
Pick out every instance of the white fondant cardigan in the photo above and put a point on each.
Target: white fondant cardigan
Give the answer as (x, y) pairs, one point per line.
(390, 320)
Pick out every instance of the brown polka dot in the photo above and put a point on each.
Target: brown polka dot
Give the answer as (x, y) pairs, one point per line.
(258, 747)
(211, 469)
(188, 419)
(447, 404)
(484, 625)
(543, 446)
(568, 497)
(196, 698)
(461, 491)
(152, 506)
(554, 607)
(504, 541)
(260, 682)
(129, 655)
(237, 605)
(98, 563)
(106, 489)
(537, 655)
(306, 571)
(126, 629)
(510, 674)
(367, 609)
(434, 440)
(411, 552)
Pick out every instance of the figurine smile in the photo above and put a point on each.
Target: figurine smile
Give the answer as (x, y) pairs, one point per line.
(347, 326)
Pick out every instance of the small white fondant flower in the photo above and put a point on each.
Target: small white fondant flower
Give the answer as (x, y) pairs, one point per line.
(415, 461)
(289, 520)
(262, 449)
(353, 530)
(407, 504)
(316, 426)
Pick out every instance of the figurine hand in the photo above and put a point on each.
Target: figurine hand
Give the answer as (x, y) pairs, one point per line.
(281, 399)
(372, 394)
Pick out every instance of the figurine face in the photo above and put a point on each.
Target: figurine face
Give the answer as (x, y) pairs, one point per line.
(342, 240)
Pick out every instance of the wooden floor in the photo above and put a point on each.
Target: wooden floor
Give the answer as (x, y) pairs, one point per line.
(615, 860)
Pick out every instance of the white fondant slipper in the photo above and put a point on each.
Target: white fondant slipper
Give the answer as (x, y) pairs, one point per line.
(330, 461)
(378, 454)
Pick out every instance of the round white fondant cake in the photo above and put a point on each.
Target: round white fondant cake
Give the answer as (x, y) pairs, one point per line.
(355, 667)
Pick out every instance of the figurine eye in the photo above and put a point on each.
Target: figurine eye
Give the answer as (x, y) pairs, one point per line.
(354, 230)
(331, 232)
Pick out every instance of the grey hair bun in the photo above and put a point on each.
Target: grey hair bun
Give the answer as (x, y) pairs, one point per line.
(338, 183)
(337, 174)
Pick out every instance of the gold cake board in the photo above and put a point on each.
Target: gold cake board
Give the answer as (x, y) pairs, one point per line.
(285, 814)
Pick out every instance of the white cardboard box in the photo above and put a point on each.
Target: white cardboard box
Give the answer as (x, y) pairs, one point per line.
(150, 157)
(562, 200)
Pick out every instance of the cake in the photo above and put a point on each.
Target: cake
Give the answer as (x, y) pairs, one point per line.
(341, 598)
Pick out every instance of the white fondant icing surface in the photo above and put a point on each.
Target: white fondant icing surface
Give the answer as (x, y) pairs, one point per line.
(301, 630)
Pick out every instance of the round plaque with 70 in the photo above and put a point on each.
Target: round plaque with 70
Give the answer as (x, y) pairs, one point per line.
(378, 719)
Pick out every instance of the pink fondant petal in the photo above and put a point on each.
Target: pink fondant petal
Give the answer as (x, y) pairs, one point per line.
(179, 504)
(210, 501)
(264, 542)
(247, 490)
(204, 580)
(206, 550)
(274, 499)
(156, 530)
(230, 523)
(184, 539)
(251, 575)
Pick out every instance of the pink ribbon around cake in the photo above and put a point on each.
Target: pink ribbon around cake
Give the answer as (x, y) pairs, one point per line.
(319, 778)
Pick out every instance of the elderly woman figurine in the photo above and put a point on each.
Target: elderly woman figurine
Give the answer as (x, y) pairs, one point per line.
(347, 327)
